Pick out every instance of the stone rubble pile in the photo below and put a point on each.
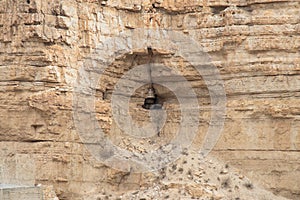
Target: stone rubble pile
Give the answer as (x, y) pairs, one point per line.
(195, 177)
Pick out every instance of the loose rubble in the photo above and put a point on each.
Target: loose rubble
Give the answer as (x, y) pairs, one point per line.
(195, 177)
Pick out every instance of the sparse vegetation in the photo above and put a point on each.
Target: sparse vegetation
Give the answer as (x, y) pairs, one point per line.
(225, 183)
(249, 185)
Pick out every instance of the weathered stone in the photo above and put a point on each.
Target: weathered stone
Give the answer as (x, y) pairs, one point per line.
(45, 44)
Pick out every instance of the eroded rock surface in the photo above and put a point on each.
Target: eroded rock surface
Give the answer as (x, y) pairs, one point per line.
(43, 44)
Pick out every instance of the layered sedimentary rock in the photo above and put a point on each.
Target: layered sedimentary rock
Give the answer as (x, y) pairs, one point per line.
(44, 44)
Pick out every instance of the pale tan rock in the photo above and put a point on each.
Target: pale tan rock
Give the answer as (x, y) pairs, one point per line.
(43, 44)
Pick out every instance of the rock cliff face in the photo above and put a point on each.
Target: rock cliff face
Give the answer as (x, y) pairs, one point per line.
(45, 43)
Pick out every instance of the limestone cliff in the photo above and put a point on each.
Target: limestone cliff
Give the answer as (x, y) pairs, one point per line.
(44, 43)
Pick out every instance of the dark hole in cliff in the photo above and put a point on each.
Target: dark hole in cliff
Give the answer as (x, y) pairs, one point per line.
(33, 10)
(28, 1)
(36, 128)
(217, 9)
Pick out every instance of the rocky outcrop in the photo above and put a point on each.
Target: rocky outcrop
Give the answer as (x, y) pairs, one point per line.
(44, 44)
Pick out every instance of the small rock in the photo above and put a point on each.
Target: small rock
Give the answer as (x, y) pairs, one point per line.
(224, 171)
(167, 148)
